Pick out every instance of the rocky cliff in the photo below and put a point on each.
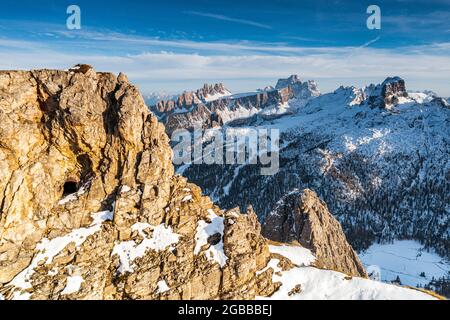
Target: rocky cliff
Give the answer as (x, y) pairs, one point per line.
(213, 106)
(301, 216)
(90, 207)
(387, 94)
(189, 99)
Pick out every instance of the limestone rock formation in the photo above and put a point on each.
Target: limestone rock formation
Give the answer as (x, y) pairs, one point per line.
(299, 89)
(213, 106)
(90, 207)
(387, 94)
(303, 217)
(284, 83)
(189, 99)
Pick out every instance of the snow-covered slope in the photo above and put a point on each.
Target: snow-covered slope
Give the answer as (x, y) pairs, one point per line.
(406, 260)
(305, 282)
(382, 168)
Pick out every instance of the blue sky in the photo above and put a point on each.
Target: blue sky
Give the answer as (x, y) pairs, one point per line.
(175, 45)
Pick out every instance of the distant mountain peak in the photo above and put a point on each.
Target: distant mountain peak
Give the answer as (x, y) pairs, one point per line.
(214, 105)
(301, 216)
(303, 90)
(211, 92)
(354, 95)
(188, 99)
(387, 94)
(283, 83)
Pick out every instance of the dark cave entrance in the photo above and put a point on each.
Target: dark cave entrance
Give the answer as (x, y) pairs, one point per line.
(70, 187)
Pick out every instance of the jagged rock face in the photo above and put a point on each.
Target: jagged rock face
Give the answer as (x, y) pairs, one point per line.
(303, 217)
(212, 106)
(199, 117)
(284, 83)
(209, 91)
(220, 111)
(441, 102)
(189, 99)
(386, 94)
(130, 228)
(300, 89)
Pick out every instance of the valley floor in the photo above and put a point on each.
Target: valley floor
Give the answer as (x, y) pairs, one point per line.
(407, 260)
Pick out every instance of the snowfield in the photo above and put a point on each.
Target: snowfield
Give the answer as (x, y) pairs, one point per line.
(406, 259)
(317, 284)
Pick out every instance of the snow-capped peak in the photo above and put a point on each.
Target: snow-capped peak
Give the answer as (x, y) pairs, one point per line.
(283, 83)
(352, 95)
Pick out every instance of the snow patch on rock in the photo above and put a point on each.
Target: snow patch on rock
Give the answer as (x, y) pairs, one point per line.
(73, 284)
(298, 255)
(162, 238)
(205, 230)
(48, 249)
(162, 286)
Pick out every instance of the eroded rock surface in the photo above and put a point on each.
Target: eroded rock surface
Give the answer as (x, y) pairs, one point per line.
(90, 207)
(301, 216)
(387, 94)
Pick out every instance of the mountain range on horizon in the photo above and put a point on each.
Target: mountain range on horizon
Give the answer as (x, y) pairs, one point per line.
(378, 156)
(92, 208)
(152, 99)
(229, 152)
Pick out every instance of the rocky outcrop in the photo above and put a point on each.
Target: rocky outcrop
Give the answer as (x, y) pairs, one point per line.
(303, 217)
(90, 207)
(299, 89)
(190, 99)
(284, 83)
(441, 102)
(213, 106)
(387, 94)
(211, 91)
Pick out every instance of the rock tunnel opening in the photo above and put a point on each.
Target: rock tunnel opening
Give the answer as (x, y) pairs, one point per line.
(70, 187)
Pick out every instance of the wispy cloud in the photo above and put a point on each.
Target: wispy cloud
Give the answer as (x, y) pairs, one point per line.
(115, 40)
(229, 19)
(368, 43)
(156, 64)
(431, 22)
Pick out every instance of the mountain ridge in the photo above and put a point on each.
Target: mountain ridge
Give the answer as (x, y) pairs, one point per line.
(91, 207)
(377, 156)
(190, 112)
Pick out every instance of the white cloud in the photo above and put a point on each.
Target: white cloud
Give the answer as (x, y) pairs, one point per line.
(242, 66)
